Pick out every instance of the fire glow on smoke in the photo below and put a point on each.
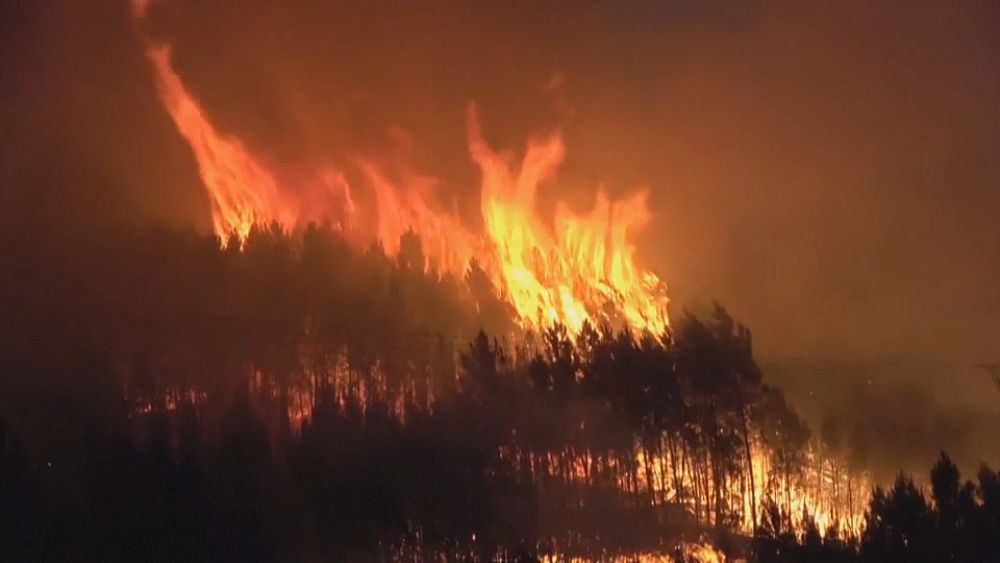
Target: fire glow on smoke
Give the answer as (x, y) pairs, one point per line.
(574, 269)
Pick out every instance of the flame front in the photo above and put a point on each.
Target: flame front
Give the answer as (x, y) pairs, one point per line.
(580, 268)
(241, 191)
(570, 274)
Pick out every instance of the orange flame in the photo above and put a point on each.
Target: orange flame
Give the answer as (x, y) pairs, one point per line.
(570, 274)
(242, 192)
(580, 269)
(447, 245)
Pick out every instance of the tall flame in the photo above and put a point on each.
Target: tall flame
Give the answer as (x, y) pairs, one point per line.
(571, 273)
(241, 191)
(579, 269)
(447, 245)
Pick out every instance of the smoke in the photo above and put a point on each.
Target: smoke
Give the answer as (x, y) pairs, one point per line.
(828, 172)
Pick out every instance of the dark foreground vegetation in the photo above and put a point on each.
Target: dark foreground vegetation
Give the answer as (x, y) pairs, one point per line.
(959, 522)
(163, 398)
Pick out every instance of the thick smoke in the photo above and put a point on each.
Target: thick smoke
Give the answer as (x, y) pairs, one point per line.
(828, 173)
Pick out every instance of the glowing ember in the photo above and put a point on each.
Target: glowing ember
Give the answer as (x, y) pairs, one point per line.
(690, 552)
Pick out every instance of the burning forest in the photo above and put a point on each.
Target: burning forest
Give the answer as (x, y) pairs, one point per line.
(350, 362)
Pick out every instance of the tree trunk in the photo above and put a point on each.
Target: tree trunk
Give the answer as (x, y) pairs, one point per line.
(753, 485)
(650, 486)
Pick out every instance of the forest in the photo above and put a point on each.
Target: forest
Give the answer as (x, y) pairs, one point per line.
(167, 396)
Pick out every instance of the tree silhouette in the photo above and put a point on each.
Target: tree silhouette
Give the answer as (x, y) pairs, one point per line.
(290, 397)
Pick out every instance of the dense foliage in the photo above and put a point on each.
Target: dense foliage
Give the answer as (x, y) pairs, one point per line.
(165, 397)
(959, 522)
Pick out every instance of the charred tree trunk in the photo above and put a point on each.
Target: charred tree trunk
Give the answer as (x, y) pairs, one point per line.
(749, 454)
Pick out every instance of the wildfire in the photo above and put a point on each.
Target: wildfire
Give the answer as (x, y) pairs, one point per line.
(574, 269)
(692, 552)
(825, 491)
(241, 190)
(564, 275)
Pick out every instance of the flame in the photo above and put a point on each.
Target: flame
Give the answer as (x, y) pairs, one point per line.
(242, 192)
(447, 245)
(703, 552)
(567, 274)
(580, 268)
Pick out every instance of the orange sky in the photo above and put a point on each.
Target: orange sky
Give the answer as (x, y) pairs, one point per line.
(828, 172)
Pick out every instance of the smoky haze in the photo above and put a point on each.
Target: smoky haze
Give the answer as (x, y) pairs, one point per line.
(829, 173)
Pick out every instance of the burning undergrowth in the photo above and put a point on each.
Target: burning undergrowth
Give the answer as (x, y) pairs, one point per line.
(350, 367)
(354, 394)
